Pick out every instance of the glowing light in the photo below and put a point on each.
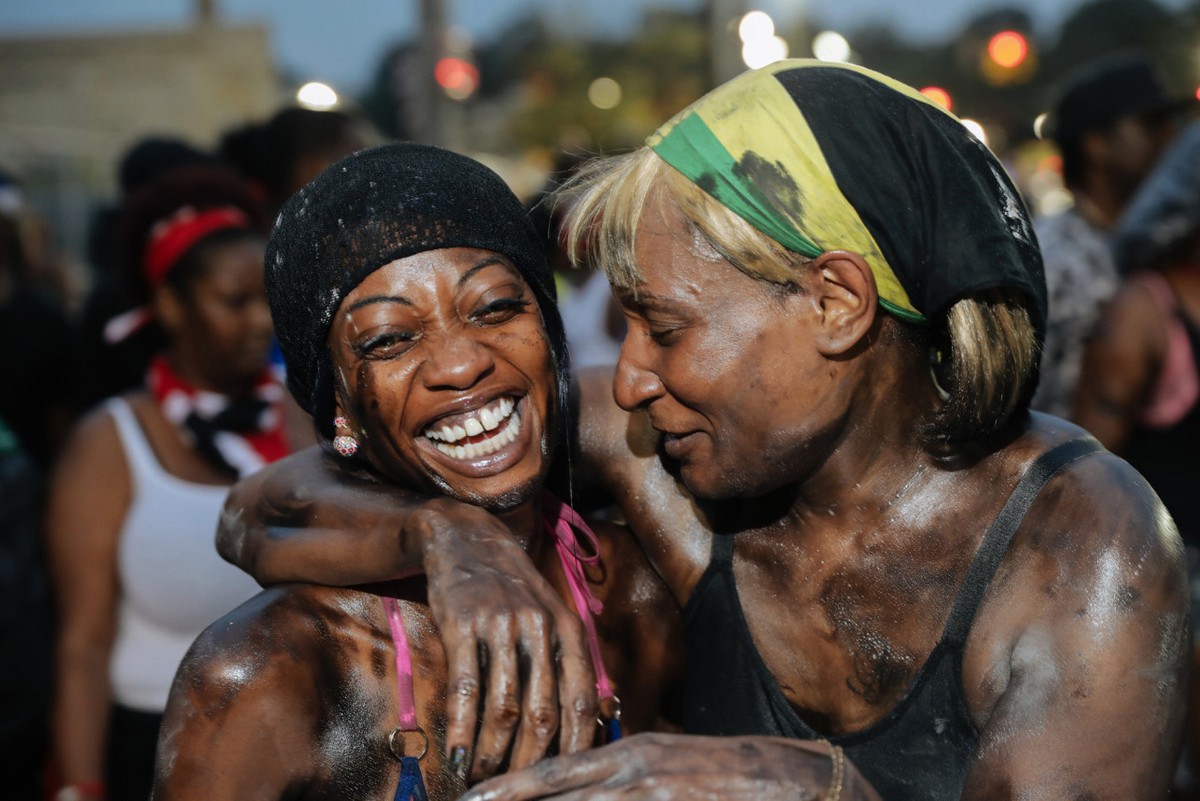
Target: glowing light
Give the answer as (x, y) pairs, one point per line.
(604, 93)
(938, 95)
(1198, 92)
(317, 96)
(1008, 49)
(457, 77)
(762, 52)
(976, 130)
(1039, 124)
(831, 46)
(756, 26)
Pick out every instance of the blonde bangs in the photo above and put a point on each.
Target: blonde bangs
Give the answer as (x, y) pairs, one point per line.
(605, 201)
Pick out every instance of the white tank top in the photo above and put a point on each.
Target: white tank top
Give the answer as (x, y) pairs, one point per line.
(172, 581)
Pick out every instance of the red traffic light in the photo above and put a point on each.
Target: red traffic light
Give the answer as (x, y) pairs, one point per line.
(457, 76)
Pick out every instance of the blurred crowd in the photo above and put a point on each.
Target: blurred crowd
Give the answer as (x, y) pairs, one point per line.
(174, 326)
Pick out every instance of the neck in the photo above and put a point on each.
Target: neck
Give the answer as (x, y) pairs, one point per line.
(187, 371)
(1098, 205)
(525, 522)
(877, 449)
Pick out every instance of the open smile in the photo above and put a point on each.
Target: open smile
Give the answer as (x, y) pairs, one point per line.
(481, 432)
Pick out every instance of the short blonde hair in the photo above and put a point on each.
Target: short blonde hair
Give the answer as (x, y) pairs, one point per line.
(985, 350)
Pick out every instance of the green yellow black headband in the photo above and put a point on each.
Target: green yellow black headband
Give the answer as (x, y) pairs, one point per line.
(835, 157)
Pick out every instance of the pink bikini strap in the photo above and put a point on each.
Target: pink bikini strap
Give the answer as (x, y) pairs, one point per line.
(404, 678)
(566, 525)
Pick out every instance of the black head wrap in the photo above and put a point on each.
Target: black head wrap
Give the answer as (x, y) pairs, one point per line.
(822, 157)
(368, 210)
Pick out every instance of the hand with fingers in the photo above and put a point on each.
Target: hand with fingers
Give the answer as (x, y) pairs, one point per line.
(519, 673)
(666, 767)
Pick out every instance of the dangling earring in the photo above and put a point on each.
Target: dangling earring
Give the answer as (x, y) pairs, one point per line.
(345, 444)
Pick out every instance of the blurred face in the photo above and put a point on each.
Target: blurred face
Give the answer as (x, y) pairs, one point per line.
(446, 377)
(221, 327)
(720, 363)
(1134, 145)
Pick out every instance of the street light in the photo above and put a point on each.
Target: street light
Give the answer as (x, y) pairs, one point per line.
(316, 96)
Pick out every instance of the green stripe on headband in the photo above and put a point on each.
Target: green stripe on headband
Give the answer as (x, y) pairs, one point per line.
(693, 149)
(750, 146)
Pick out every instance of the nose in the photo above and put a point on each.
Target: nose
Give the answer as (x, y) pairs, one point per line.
(635, 386)
(456, 361)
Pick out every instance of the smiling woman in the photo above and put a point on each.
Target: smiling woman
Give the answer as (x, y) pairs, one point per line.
(420, 336)
(417, 318)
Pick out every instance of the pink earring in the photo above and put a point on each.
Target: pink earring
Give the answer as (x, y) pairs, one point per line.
(345, 444)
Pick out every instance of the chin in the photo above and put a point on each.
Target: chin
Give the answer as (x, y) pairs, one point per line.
(498, 501)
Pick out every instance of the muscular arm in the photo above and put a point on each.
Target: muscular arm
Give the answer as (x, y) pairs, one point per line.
(309, 518)
(89, 496)
(1086, 676)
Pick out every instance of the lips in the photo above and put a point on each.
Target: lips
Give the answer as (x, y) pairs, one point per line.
(677, 445)
(478, 433)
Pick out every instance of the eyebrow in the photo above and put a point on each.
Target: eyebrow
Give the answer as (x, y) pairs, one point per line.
(487, 261)
(358, 304)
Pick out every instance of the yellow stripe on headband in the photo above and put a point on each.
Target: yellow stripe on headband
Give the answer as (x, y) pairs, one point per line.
(748, 144)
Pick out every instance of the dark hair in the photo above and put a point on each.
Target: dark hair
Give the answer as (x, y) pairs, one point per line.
(369, 209)
(200, 187)
(267, 153)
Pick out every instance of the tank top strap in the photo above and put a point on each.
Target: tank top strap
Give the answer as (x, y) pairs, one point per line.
(722, 549)
(999, 535)
(142, 460)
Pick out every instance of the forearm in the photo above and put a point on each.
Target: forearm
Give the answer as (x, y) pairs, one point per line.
(80, 713)
(309, 519)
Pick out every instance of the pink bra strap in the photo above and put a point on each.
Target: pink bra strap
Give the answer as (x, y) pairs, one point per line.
(404, 679)
(565, 524)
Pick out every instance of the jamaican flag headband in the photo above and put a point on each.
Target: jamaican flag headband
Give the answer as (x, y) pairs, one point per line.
(826, 157)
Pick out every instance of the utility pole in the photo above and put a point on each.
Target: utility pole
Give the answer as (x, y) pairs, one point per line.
(429, 123)
(724, 47)
(206, 12)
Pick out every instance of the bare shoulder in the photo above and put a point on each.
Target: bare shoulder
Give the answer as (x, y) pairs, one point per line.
(1089, 602)
(271, 646)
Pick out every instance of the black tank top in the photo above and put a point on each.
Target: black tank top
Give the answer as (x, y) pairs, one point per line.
(1169, 458)
(923, 748)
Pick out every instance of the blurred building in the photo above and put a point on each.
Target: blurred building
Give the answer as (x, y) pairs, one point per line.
(71, 105)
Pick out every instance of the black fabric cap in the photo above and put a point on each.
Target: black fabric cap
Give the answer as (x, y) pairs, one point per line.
(938, 203)
(1101, 92)
(366, 211)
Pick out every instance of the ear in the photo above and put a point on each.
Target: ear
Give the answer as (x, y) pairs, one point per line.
(842, 287)
(168, 309)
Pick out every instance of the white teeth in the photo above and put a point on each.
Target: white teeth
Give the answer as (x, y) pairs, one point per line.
(474, 450)
(488, 418)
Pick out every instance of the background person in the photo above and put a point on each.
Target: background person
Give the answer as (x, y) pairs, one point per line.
(834, 300)
(1112, 121)
(135, 497)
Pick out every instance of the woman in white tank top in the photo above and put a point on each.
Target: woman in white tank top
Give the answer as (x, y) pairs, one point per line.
(137, 494)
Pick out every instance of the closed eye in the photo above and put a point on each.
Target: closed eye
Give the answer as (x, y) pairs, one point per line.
(499, 311)
(384, 345)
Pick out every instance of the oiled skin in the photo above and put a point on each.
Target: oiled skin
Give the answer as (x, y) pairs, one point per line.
(294, 692)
